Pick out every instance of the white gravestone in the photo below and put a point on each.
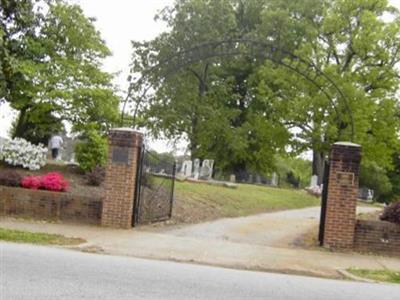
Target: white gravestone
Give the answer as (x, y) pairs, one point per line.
(232, 178)
(196, 169)
(274, 179)
(207, 169)
(186, 169)
(314, 181)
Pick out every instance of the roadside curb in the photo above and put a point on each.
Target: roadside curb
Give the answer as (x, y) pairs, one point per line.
(95, 249)
(84, 247)
(348, 275)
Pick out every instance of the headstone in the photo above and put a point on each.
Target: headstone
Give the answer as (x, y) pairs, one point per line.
(370, 196)
(258, 179)
(186, 169)
(314, 181)
(196, 169)
(250, 179)
(274, 179)
(365, 193)
(206, 169)
(232, 178)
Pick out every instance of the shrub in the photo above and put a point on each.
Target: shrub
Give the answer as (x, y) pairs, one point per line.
(54, 182)
(96, 176)
(19, 152)
(50, 182)
(32, 182)
(391, 213)
(10, 178)
(92, 151)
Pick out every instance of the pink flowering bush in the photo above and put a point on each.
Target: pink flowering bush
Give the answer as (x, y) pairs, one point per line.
(31, 182)
(51, 182)
(54, 182)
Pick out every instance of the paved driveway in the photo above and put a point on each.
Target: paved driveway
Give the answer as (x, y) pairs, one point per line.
(280, 229)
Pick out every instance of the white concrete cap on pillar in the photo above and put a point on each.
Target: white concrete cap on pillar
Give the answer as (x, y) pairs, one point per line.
(348, 144)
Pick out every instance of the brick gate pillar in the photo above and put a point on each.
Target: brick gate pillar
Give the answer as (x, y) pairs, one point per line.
(120, 183)
(342, 195)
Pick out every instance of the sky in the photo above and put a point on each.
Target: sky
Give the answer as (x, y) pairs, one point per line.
(121, 21)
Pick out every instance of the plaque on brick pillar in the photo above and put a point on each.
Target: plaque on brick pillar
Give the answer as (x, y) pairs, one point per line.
(121, 173)
(120, 155)
(345, 178)
(340, 218)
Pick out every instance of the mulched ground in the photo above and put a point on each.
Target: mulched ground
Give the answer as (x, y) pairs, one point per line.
(71, 173)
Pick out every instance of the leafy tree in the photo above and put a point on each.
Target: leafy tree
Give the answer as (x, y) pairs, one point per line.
(293, 168)
(208, 102)
(356, 48)
(39, 125)
(393, 176)
(50, 59)
(243, 110)
(376, 178)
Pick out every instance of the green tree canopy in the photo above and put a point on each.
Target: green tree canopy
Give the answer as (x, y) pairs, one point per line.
(50, 59)
(209, 102)
(358, 49)
(241, 110)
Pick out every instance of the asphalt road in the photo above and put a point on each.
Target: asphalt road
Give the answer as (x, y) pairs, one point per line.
(33, 272)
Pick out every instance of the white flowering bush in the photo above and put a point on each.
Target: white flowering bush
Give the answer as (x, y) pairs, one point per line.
(19, 152)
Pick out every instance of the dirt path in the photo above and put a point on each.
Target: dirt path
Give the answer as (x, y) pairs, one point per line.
(278, 229)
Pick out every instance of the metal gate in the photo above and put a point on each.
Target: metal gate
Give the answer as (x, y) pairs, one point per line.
(154, 188)
(324, 200)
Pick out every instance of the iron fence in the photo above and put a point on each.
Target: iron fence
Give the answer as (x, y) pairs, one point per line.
(154, 188)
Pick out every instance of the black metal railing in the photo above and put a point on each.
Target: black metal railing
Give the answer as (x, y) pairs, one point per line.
(155, 188)
(324, 201)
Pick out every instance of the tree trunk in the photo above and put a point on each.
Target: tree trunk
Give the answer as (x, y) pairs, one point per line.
(194, 132)
(193, 141)
(19, 128)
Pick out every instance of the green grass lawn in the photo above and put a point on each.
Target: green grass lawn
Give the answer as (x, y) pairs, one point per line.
(18, 236)
(244, 200)
(378, 275)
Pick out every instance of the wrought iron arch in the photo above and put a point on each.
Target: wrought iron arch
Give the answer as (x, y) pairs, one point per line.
(257, 49)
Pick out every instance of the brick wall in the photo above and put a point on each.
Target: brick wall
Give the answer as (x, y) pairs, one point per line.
(120, 182)
(342, 195)
(377, 237)
(39, 204)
